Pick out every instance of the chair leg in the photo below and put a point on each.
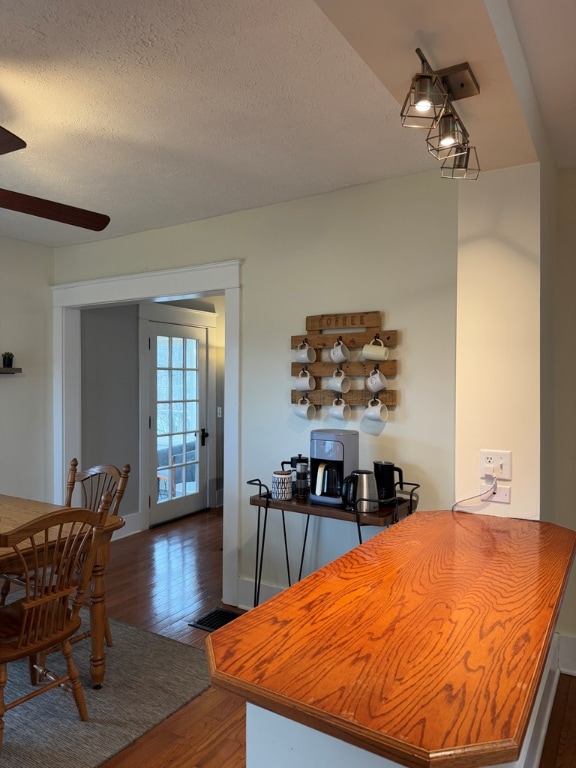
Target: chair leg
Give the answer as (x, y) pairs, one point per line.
(75, 684)
(3, 678)
(39, 660)
(5, 591)
(108, 633)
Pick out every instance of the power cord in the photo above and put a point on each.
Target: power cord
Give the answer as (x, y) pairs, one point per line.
(484, 496)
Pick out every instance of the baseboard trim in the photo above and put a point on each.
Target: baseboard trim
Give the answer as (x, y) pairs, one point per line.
(567, 655)
(133, 523)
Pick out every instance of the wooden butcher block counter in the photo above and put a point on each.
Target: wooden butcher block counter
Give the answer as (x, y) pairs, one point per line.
(424, 645)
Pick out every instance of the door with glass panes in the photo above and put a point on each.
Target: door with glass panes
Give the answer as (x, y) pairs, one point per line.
(178, 419)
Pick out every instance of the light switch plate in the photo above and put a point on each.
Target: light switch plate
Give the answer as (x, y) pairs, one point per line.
(496, 463)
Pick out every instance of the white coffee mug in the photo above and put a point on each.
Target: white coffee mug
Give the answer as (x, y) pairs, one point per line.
(375, 350)
(305, 353)
(304, 382)
(376, 410)
(376, 381)
(339, 352)
(304, 409)
(340, 410)
(339, 382)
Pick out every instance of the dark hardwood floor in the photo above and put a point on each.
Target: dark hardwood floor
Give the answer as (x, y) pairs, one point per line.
(161, 579)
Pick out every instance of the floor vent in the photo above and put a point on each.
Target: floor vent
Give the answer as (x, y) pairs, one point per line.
(214, 619)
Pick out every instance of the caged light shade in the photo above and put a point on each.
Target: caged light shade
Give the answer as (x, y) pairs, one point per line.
(449, 138)
(425, 103)
(462, 166)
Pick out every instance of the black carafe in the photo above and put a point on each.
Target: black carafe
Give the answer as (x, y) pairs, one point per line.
(331, 482)
(386, 473)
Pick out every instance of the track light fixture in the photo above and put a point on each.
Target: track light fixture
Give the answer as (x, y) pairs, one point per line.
(429, 104)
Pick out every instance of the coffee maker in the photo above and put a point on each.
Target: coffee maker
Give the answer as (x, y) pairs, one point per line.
(333, 456)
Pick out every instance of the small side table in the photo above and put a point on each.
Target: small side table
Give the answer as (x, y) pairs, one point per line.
(386, 515)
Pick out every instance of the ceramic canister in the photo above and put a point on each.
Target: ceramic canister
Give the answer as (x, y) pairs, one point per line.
(282, 485)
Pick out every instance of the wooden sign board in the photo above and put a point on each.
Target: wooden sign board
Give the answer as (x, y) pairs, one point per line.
(351, 321)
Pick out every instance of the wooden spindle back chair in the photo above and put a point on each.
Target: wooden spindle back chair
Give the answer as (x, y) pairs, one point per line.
(55, 555)
(94, 482)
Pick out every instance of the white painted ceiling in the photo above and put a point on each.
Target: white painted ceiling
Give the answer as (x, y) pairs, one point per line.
(160, 113)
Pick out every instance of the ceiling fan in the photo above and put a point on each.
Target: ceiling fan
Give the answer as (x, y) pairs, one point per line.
(45, 209)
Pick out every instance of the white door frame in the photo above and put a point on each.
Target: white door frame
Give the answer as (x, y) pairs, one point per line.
(184, 283)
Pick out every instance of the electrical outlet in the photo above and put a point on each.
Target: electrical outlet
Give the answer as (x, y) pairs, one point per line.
(502, 494)
(497, 463)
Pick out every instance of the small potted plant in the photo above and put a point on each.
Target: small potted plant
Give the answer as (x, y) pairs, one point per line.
(7, 358)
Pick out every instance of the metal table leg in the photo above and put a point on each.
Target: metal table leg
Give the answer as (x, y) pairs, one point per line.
(260, 544)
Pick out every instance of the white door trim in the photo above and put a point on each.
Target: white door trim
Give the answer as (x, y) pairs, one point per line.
(187, 282)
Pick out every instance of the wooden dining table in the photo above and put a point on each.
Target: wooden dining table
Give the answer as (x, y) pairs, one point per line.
(15, 512)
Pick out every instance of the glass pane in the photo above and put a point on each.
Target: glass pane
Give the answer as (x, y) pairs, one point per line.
(162, 350)
(177, 417)
(162, 419)
(191, 417)
(163, 485)
(191, 483)
(177, 449)
(162, 385)
(177, 353)
(178, 489)
(191, 453)
(177, 385)
(191, 385)
(162, 452)
(191, 353)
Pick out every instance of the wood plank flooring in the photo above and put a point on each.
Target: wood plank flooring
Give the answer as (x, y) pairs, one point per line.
(161, 579)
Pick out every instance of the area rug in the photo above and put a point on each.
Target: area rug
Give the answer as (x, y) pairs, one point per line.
(148, 677)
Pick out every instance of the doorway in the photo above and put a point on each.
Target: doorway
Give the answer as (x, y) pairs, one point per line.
(177, 284)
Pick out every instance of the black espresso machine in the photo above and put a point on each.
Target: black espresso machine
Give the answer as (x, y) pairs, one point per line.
(333, 456)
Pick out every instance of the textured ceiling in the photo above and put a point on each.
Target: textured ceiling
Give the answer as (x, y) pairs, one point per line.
(163, 113)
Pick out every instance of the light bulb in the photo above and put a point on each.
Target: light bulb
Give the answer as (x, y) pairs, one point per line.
(423, 105)
(448, 130)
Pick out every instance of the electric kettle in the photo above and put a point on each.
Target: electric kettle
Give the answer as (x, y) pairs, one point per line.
(359, 491)
(385, 473)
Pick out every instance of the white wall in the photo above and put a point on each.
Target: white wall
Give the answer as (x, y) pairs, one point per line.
(26, 398)
(563, 449)
(390, 247)
(109, 380)
(498, 339)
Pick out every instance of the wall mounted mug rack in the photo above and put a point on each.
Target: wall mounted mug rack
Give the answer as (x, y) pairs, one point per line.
(354, 330)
